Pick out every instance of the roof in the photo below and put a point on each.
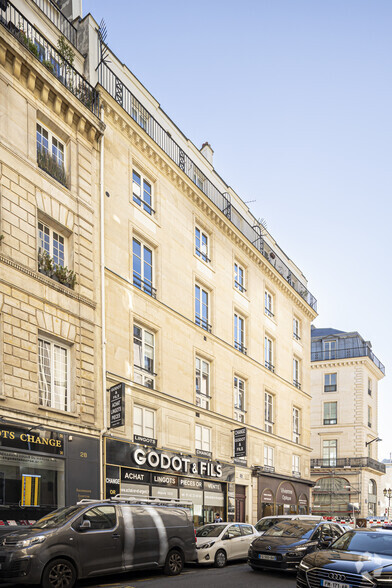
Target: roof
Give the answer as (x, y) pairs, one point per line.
(326, 332)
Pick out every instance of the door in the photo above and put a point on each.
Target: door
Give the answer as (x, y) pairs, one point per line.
(234, 544)
(240, 495)
(247, 538)
(100, 546)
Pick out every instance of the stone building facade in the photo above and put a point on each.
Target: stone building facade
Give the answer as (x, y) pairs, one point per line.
(186, 337)
(49, 292)
(344, 419)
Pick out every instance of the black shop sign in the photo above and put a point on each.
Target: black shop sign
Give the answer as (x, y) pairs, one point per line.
(117, 402)
(240, 442)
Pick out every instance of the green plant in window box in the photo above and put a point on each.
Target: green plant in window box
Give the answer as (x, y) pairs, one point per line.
(50, 164)
(57, 272)
(48, 65)
(65, 276)
(45, 263)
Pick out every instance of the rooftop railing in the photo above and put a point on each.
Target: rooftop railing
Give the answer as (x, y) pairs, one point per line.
(124, 97)
(363, 351)
(49, 56)
(59, 19)
(348, 462)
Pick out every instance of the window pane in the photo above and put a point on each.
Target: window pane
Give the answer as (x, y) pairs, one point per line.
(45, 375)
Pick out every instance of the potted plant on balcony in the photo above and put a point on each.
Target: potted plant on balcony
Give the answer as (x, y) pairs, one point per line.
(56, 272)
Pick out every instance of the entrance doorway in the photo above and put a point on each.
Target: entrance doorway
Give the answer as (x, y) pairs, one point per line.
(240, 497)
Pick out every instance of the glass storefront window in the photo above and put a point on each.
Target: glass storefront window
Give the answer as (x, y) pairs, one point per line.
(32, 482)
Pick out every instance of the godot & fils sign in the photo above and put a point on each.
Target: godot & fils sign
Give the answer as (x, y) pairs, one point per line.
(117, 399)
(130, 455)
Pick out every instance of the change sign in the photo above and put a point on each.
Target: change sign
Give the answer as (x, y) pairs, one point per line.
(117, 396)
(240, 442)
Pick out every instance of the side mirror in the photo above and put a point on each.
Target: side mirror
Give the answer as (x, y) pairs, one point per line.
(226, 537)
(85, 525)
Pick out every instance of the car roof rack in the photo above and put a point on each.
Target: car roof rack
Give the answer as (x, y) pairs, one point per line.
(133, 499)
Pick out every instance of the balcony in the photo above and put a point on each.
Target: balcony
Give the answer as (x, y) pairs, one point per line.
(54, 14)
(253, 233)
(49, 56)
(363, 351)
(347, 462)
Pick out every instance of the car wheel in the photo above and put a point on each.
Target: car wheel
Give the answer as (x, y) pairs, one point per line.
(220, 559)
(174, 563)
(59, 573)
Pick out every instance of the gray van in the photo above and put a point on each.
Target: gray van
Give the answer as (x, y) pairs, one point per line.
(94, 538)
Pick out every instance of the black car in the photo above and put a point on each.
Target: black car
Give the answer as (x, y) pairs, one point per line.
(285, 544)
(360, 558)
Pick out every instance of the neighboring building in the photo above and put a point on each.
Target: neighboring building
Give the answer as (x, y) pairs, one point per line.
(386, 488)
(206, 324)
(344, 416)
(50, 388)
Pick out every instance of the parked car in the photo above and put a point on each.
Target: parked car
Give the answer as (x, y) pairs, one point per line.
(94, 538)
(285, 544)
(360, 557)
(266, 522)
(218, 542)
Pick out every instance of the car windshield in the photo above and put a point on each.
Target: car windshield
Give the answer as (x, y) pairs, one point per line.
(57, 518)
(373, 542)
(210, 530)
(291, 529)
(265, 524)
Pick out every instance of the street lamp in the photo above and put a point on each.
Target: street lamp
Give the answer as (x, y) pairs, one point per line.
(372, 441)
(388, 494)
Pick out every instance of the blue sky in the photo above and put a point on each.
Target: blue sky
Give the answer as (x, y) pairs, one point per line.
(295, 98)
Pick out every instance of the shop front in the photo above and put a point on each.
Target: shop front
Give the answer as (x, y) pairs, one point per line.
(41, 470)
(280, 496)
(142, 471)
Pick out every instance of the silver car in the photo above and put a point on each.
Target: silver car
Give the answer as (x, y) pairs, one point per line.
(218, 542)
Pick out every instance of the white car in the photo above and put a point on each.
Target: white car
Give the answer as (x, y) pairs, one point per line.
(218, 542)
(266, 522)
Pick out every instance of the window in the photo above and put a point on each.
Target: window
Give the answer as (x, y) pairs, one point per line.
(201, 308)
(296, 329)
(239, 278)
(142, 192)
(268, 412)
(143, 356)
(139, 114)
(202, 438)
(268, 304)
(370, 417)
(296, 377)
(52, 242)
(295, 462)
(239, 399)
(268, 457)
(53, 374)
(296, 425)
(239, 333)
(330, 382)
(330, 413)
(198, 178)
(202, 383)
(50, 154)
(329, 350)
(269, 354)
(144, 421)
(142, 268)
(201, 245)
(370, 386)
(101, 518)
(330, 452)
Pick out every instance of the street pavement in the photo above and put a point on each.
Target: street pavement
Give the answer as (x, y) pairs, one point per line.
(234, 575)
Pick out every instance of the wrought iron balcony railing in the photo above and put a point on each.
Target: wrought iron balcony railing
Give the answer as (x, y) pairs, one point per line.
(348, 462)
(59, 19)
(49, 56)
(124, 97)
(363, 351)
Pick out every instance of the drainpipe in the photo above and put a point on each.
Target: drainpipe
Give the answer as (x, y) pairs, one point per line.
(103, 306)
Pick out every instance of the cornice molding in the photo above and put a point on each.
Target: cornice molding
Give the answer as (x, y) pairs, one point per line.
(128, 127)
(40, 84)
(47, 281)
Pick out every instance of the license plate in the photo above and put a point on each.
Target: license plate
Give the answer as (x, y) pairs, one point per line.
(265, 556)
(333, 584)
